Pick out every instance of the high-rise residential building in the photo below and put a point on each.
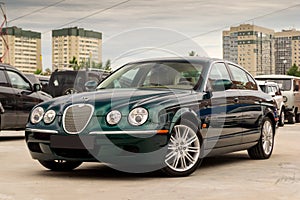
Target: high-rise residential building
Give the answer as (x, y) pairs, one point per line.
(84, 45)
(287, 50)
(250, 46)
(24, 50)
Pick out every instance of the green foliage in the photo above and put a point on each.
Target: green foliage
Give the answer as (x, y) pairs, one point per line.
(74, 63)
(108, 65)
(294, 71)
(193, 53)
(38, 71)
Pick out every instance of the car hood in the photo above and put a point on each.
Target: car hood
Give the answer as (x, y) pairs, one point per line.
(119, 98)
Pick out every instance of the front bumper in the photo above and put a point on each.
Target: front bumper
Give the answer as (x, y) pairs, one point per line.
(103, 146)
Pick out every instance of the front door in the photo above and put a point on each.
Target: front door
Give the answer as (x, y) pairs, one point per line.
(223, 112)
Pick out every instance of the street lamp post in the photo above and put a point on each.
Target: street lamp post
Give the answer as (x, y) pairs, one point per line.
(284, 63)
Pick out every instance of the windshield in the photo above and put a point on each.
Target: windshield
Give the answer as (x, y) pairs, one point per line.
(284, 84)
(175, 75)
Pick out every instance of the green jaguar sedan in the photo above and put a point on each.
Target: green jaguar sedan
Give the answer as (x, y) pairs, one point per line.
(162, 114)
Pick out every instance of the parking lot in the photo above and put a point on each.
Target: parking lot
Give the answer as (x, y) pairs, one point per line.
(232, 176)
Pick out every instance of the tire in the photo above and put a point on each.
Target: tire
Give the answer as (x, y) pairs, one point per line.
(69, 91)
(297, 118)
(281, 118)
(291, 119)
(264, 148)
(60, 165)
(184, 150)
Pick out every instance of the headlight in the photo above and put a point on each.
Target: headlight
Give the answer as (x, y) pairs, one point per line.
(49, 116)
(138, 116)
(113, 117)
(285, 99)
(37, 115)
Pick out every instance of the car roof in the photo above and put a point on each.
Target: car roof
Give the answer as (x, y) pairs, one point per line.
(266, 83)
(193, 59)
(275, 76)
(6, 66)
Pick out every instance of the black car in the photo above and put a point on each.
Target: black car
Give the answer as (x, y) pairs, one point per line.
(69, 81)
(17, 97)
(156, 114)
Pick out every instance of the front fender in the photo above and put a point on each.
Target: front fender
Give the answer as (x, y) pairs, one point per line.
(185, 113)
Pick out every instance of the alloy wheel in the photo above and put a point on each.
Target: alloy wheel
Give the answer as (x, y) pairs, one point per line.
(183, 149)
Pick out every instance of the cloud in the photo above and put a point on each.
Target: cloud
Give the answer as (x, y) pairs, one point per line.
(190, 17)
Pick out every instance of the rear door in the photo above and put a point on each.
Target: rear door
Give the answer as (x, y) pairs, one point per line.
(250, 101)
(8, 102)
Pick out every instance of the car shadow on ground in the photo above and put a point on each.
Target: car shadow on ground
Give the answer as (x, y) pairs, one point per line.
(11, 138)
(101, 171)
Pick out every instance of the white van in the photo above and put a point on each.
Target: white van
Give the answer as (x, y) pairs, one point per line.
(289, 86)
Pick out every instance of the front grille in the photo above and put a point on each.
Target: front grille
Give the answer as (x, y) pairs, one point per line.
(76, 117)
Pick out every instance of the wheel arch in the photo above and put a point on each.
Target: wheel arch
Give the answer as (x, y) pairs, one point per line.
(187, 114)
(272, 118)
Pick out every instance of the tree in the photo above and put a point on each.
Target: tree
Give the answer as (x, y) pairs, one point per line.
(294, 71)
(74, 63)
(193, 53)
(47, 72)
(108, 65)
(38, 71)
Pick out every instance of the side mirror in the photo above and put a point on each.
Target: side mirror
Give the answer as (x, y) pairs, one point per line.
(272, 94)
(91, 85)
(296, 88)
(208, 94)
(37, 87)
(1, 108)
(222, 84)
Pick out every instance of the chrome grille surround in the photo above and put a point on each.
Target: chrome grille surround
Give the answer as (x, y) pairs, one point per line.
(76, 117)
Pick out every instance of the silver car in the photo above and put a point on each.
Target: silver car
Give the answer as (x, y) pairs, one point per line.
(273, 89)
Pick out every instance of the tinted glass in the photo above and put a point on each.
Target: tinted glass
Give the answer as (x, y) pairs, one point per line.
(155, 75)
(218, 72)
(241, 79)
(284, 84)
(17, 81)
(3, 80)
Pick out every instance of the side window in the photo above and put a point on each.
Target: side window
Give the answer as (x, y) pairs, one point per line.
(241, 80)
(251, 84)
(217, 73)
(3, 80)
(18, 81)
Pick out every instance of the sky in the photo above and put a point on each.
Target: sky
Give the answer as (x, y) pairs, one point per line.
(138, 29)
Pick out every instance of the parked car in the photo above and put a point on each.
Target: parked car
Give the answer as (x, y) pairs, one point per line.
(156, 114)
(69, 81)
(273, 89)
(289, 86)
(17, 97)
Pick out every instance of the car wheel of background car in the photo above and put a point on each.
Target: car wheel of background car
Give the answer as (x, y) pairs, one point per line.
(297, 118)
(60, 165)
(291, 119)
(263, 149)
(69, 91)
(281, 118)
(184, 148)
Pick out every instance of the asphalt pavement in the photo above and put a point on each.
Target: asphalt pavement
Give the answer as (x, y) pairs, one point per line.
(232, 176)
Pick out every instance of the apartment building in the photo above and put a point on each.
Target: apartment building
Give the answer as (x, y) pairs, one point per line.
(250, 46)
(287, 50)
(24, 50)
(85, 45)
